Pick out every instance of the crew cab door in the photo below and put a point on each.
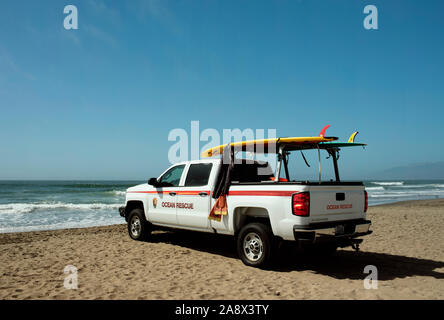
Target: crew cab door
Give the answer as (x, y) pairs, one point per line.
(162, 204)
(193, 199)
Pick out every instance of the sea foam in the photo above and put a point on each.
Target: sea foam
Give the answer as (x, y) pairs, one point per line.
(394, 183)
(31, 207)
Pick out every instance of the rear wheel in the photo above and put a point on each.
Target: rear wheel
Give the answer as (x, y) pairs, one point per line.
(255, 245)
(138, 227)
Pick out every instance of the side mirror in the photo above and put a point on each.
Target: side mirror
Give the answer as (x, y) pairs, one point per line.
(153, 182)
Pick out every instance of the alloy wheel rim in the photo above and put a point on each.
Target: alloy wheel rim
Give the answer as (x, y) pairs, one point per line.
(253, 246)
(136, 227)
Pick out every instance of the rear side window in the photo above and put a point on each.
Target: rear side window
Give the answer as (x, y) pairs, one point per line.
(251, 172)
(198, 174)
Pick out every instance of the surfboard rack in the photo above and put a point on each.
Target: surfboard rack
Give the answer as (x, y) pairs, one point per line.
(283, 146)
(275, 145)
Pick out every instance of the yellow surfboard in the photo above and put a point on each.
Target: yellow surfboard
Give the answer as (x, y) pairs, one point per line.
(252, 144)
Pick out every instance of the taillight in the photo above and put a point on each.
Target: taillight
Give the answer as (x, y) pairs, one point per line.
(366, 201)
(301, 204)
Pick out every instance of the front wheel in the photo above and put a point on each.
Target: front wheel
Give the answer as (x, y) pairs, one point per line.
(254, 245)
(138, 227)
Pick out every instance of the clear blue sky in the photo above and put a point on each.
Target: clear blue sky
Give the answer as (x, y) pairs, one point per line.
(99, 102)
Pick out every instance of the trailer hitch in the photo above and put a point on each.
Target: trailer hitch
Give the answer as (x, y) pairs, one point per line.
(355, 244)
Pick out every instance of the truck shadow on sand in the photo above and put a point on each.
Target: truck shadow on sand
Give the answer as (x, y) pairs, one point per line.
(345, 264)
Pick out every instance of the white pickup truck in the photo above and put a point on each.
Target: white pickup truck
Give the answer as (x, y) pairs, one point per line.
(263, 209)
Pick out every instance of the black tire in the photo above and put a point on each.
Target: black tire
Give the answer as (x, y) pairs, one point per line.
(138, 227)
(255, 245)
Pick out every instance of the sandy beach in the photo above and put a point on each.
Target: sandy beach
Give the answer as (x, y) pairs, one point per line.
(407, 247)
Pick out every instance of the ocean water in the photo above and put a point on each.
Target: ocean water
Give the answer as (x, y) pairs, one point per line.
(49, 205)
(380, 192)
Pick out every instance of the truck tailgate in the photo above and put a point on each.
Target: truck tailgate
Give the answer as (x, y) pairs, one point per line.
(332, 203)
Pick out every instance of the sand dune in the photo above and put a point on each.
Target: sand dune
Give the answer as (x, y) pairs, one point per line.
(406, 247)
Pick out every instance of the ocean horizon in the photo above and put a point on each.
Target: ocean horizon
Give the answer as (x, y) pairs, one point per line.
(36, 205)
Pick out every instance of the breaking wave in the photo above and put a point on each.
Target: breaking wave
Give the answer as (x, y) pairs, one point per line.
(380, 192)
(31, 207)
(394, 183)
(374, 188)
(116, 192)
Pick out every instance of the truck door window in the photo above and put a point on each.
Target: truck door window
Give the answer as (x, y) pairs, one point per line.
(171, 178)
(198, 175)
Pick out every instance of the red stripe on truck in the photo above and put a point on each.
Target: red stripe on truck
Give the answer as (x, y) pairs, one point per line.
(262, 193)
(230, 193)
(193, 193)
